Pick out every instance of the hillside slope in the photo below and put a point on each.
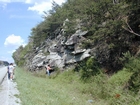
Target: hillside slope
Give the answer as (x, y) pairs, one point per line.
(89, 36)
(74, 31)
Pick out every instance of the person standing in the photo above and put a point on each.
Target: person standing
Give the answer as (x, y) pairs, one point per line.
(48, 68)
(8, 72)
(11, 71)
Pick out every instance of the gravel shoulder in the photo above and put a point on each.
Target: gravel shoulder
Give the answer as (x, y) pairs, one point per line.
(9, 93)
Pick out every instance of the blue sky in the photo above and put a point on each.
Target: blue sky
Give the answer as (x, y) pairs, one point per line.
(17, 18)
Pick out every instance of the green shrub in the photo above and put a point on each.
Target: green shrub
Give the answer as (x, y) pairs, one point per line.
(132, 64)
(134, 82)
(89, 68)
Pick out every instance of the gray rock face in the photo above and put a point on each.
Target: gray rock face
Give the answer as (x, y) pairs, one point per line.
(60, 51)
(37, 61)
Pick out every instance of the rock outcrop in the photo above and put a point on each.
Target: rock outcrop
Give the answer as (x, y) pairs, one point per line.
(60, 50)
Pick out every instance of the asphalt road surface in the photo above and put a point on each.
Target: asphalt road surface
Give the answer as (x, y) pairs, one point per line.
(8, 89)
(3, 71)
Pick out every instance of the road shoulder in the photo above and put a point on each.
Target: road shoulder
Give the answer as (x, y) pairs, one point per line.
(9, 93)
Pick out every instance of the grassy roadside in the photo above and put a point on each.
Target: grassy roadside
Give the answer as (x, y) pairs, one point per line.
(68, 89)
(45, 91)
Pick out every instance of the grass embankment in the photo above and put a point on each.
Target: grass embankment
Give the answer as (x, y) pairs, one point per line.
(67, 89)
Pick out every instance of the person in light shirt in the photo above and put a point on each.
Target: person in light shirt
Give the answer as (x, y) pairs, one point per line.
(11, 71)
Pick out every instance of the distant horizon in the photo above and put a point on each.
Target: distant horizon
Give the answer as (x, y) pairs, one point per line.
(6, 61)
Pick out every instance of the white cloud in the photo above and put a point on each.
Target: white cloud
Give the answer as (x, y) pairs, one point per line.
(5, 0)
(34, 1)
(59, 1)
(28, 1)
(38, 5)
(43, 5)
(14, 40)
(9, 1)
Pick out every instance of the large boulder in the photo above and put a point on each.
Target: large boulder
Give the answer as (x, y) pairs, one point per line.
(38, 61)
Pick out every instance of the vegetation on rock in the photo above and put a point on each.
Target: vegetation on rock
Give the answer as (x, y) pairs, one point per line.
(114, 30)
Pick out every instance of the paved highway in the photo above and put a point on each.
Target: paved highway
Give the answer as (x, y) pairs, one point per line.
(3, 71)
